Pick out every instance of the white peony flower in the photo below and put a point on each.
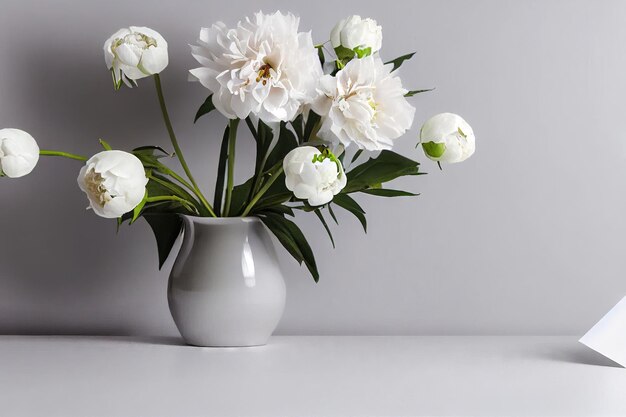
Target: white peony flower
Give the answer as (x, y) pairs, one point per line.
(19, 153)
(363, 36)
(135, 52)
(263, 67)
(363, 104)
(446, 137)
(114, 181)
(312, 175)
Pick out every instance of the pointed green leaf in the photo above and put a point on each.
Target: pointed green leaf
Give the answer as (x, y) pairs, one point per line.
(332, 213)
(346, 202)
(151, 150)
(298, 127)
(221, 173)
(320, 54)
(166, 229)
(311, 123)
(400, 60)
(291, 237)
(137, 210)
(356, 156)
(320, 216)
(240, 196)
(385, 167)
(414, 92)
(205, 108)
(385, 192)
(105, 145)
(286, 143)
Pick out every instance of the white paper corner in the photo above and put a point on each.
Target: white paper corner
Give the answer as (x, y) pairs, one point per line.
(608, 336)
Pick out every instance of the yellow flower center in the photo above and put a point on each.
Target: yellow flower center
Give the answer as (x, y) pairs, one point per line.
(95, 187)
(264, 73)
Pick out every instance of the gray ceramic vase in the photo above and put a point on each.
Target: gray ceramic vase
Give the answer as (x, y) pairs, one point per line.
(226, 288)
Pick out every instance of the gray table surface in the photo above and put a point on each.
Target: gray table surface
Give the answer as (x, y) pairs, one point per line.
(308, 376)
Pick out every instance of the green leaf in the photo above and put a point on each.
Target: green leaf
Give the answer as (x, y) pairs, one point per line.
(434, 149)
(363, 52)
(320, 53)
(320, 216)
(291, 237)
(298, 127)
(332, 213)
(278, 209)
(386, 167)
(221, 173)
(286, 143)
(385, 192)
(151, 150)
(264, 138)
(151, 161)
(346, 202)
(356, 156)
(344, 54)
(400, 60)
(137, 210)
(414, 92)
(240, 196)
(105, 145)
(311, 123)
(166, 229)
(270, 200)
(205, 108)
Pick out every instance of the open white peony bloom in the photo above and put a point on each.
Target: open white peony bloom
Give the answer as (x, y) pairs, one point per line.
(363, 104)
(135, 52)
(114, 181)
(19, 153)
(363, 36)
(264, 67)
(446, 137)
(313, 176)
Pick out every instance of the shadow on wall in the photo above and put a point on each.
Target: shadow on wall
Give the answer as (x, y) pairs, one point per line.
(60, 265)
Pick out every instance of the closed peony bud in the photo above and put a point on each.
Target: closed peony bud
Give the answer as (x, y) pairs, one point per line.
(313, 175)
(134, 53)
(19, 153)
(362, 36)
(114, 181)
(446, 137)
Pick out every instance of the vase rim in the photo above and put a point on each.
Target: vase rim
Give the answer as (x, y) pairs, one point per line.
(221, 220)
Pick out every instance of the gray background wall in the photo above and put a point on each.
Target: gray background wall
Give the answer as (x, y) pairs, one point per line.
(527, 236)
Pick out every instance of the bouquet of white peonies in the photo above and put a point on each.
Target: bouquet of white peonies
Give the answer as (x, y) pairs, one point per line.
(312, 109)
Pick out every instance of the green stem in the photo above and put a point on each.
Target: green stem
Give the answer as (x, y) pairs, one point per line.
(184, 202)
(63, 154)
(272, 177)
(170, 186)
(260, 160)
(179, 152)
(232, 137)
(166, 198)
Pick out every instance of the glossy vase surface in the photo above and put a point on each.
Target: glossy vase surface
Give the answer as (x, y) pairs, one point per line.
(226, 288)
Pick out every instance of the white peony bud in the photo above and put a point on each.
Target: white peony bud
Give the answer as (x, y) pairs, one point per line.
(114, 181)
(363, 36)
(135, 53)
(19, 153)
(313, 175)
(446, 137)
